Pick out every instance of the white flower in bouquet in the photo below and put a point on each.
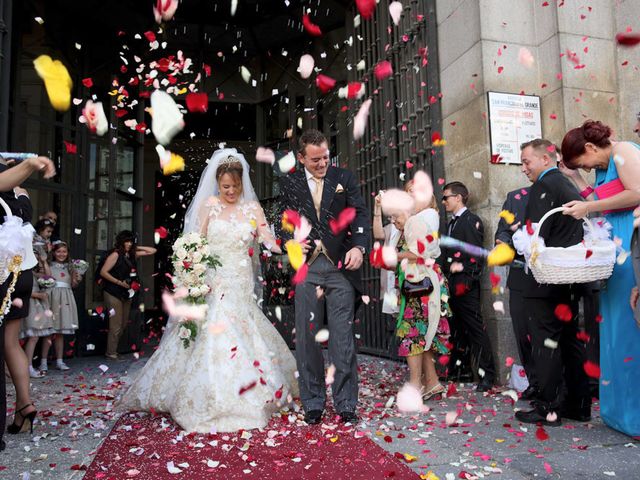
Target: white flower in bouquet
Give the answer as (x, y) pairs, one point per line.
(46, 282)
(80, 266)
(181, 253)
(184, 333)
(197, 256)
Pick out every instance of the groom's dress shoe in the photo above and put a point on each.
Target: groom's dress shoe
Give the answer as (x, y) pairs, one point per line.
(313, 417)
(348, 417)
(538, 415)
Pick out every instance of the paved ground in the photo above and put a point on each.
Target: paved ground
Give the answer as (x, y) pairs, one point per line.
(483, 441)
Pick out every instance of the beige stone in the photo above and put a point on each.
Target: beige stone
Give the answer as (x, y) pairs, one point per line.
(503, 72)
(586, 17)
(514, 24)
(469, 134)
(598, 72)
(458, 78)
(454, 41)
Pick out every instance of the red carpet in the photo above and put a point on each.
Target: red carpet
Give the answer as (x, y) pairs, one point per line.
(141, 448)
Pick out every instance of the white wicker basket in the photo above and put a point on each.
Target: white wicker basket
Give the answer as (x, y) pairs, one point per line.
(559, 265)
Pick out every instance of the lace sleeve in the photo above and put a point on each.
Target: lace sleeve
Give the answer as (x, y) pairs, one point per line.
(205, 212)
(265, 234)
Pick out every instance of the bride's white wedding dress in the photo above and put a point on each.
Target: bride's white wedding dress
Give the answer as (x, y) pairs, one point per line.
(239, 370)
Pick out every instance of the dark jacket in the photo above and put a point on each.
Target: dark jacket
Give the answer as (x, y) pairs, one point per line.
(515, 203)
(295, 195)
(469, 229)
(552, 191)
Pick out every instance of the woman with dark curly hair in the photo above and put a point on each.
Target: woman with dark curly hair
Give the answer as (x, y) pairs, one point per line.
(616, 194)
(118, 277)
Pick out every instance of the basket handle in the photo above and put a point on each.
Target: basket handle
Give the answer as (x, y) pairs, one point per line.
(6, 208)
(536, 233)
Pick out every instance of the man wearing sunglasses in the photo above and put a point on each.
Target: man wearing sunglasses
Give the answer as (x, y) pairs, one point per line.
(463, 273)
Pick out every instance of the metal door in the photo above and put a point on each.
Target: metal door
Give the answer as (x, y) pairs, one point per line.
(404, 116)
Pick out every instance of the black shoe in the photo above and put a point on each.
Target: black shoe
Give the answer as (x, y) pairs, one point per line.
(313, 417)
(531, 393)
(579, 415)
(348, 417)
(26, 424)
(484, 386)
(537, 416)
(2, 445)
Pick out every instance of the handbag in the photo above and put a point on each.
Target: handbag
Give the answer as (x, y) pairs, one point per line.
(416, 289)
(13, 237)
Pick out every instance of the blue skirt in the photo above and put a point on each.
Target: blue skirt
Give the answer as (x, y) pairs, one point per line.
(620, 340)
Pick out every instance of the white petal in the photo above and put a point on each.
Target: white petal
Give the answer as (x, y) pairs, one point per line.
(305, 68)
(395, 10)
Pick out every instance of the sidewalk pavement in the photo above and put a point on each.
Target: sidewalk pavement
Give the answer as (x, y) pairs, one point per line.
(466, 435)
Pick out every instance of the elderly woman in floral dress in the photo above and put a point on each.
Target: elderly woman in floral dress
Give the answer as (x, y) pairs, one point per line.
(422, 325)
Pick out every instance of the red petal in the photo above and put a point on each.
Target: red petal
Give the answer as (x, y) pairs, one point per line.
(541, 434)
(591, 369)
(197, 102)
(325, 83)
(311, 28)
(366, 8)
(588, 254)
(563, 312)
(383, 70)
(628, 39)
(87, 82)
(343, 221)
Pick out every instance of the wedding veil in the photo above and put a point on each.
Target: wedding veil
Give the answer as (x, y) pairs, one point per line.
(208, 186)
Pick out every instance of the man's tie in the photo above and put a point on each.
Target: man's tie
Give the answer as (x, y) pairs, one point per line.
(317, 194)
(452, 223)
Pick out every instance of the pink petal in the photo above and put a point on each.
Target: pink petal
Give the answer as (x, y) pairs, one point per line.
(360, 120)
(305, 68)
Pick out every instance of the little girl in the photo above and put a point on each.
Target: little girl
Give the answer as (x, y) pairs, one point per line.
(62, 301)
(39, 323)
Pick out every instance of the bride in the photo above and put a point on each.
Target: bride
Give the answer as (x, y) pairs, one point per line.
(239, 371)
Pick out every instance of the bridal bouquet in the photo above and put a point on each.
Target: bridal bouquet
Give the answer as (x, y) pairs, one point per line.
(46, 281)
(191, 259)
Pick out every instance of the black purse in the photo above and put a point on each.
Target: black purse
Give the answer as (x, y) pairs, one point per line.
(416, 289)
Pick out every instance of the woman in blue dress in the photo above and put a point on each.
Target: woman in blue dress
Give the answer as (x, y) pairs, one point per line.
(615, 194)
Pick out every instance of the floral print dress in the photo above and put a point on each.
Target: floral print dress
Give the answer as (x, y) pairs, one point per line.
(413, 320)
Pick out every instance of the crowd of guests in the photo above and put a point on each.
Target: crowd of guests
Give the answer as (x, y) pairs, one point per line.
(448, 322)
(40, 304)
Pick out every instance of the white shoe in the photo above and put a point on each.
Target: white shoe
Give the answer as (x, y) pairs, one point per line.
(33, 373)
(60, 365)
(43, 366)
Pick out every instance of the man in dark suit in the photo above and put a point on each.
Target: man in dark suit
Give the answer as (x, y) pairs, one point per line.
(333, 285)
(516, 203)
(553, 309)
(463, 273)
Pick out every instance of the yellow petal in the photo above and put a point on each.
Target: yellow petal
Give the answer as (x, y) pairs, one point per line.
(502, 254)
(334, 439)
(508, 216)
(175, 164)
(56, 81)
(294, 251)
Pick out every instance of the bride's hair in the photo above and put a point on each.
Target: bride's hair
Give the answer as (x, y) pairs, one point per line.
(232, 166)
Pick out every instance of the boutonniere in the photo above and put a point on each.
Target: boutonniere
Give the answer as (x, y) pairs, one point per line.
(339, 188)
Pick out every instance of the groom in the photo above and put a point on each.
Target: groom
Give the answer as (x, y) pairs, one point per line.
(333, 285)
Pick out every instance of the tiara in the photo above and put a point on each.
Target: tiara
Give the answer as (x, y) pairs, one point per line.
(229, 159)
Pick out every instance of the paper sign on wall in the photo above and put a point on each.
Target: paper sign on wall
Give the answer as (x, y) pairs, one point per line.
(513, 120)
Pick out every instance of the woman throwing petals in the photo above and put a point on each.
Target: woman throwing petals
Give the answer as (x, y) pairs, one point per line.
(615, 194)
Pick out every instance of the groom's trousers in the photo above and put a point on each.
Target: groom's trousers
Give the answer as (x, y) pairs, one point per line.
(326, 293)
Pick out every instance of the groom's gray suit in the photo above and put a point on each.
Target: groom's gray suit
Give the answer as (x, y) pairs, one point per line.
(340, 289)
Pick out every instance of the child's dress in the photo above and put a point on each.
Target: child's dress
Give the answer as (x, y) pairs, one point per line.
(39, 322)
(62, 301)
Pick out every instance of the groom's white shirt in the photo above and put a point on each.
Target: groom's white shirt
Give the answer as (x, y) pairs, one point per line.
(310, 181)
